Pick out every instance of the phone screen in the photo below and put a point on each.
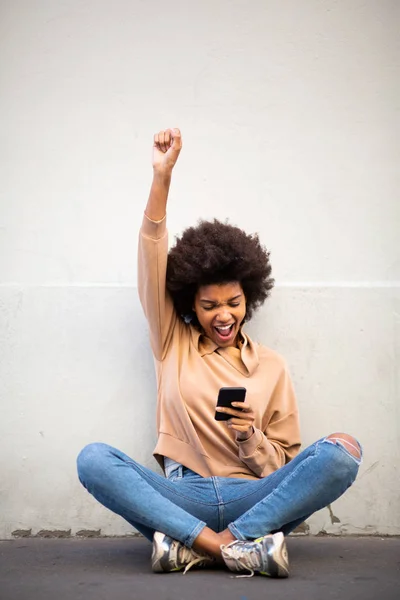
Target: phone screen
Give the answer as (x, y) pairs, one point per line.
(226, 396)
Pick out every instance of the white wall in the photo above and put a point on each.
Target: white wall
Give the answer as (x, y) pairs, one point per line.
(289, 112)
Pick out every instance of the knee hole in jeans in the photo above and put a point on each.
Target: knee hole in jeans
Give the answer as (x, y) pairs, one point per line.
(349, 443)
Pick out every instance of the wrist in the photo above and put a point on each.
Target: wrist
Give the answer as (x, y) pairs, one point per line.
(162, 176)
(242, 437)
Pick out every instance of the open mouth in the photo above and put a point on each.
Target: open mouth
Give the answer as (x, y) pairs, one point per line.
(225, 332)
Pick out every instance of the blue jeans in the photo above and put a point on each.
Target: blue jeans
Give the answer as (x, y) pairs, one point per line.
(184, 503)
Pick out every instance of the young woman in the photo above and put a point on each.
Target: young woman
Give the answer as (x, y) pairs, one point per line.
(232, 489)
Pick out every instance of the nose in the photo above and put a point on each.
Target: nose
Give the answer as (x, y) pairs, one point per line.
(223, 316)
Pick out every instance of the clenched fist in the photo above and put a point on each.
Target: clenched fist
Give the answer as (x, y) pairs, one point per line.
(166, 148)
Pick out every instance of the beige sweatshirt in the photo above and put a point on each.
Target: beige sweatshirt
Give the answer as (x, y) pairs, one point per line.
(190, 371)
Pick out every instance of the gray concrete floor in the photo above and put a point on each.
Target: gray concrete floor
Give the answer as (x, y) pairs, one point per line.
(119, 568)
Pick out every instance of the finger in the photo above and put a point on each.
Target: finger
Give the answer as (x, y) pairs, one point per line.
(156, 141)
(241, 422)
(176, 138)
(233, 412)
(240, 428)
(161, 139)
(168, 139)
(243, 405)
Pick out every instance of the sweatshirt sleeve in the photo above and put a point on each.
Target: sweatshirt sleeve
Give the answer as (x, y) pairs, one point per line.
(268, 450)
(152, 269)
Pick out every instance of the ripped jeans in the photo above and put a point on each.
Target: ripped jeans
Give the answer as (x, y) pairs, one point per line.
(182, 504)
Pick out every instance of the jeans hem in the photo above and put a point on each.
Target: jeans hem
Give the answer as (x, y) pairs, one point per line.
(234, 531)
(193, 535)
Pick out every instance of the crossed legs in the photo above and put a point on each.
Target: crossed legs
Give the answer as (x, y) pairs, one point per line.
(284, 499)
(209, 542)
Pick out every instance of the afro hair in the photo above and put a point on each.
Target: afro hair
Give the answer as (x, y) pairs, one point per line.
(214, 253)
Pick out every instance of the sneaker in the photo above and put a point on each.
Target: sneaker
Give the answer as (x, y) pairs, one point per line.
(170, 555)
(266, 556)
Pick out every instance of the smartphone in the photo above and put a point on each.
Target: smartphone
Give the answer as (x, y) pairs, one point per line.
(226, 396)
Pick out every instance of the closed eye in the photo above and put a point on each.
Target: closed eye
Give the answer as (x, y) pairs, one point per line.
(231, 304)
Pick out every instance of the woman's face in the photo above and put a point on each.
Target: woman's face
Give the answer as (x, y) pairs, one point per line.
(220, 310)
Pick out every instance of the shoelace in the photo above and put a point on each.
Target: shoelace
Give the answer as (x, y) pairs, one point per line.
(187, 553)
(238, 553)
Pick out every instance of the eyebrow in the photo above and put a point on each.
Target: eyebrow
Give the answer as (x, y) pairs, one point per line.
(213, 301)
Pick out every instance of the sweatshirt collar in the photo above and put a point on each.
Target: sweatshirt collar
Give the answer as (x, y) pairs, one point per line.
(246, 364)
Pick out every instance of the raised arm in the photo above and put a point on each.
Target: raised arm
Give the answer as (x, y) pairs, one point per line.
(153, 245)
(166, 148)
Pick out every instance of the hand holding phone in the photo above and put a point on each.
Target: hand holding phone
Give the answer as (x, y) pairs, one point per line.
(226, 396)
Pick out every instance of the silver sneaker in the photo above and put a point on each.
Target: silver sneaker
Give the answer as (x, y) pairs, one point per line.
(170, 555)
(266, 556)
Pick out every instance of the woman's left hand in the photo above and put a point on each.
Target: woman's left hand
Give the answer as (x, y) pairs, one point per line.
(242, 420)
